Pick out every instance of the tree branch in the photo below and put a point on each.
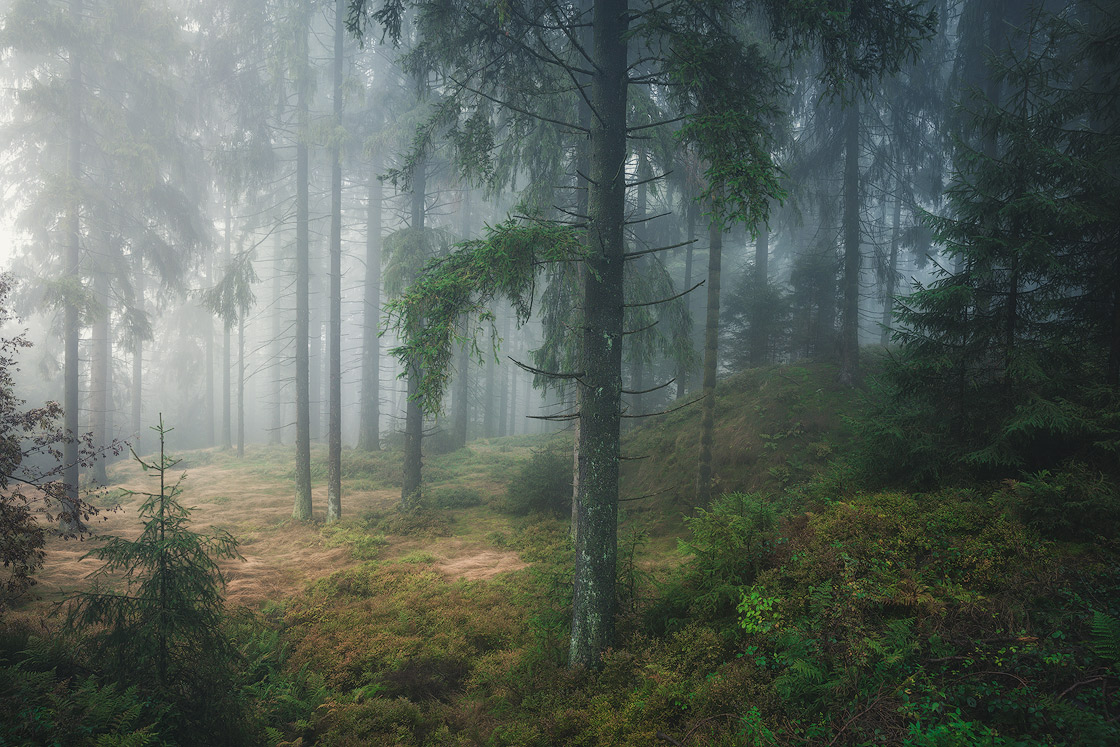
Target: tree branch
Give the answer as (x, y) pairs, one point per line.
(664, 300)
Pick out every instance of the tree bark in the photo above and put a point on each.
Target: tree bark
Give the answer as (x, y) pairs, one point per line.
(99, 372)
(241, 384)
(849, 330)
(684, 372)
(334, 433)
(711, 351)
(759, 353)
(137, 392)
(302, 510)
(414, 415)
(227, 429)
(503, 393)
(70, 521)
(596, 550)
(276, 431)
(369, 433)
(208, 342)
(892, 267)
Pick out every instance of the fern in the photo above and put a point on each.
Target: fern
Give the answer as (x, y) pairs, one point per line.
(1106, 637)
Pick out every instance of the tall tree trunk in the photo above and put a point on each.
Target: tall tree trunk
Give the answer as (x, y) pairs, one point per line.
(138, 357)
(711, 351)
(684, 371)
(276, 431)
(463, 368)
(99, 372)
(302, 510)
(504, 372)
(334, 434)
(414, 415)
(849, 329)
(488, 428)
(596, 551)
(369, 432)
(892, 266)
(71, 329)
(227, 425)
(759, 333)
(241, 384)
(462, 391)
(315, 345)
(512, 430)
(211, 405)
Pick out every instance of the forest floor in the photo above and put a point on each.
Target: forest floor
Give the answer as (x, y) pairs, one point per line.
(252, 499)
(795, 609)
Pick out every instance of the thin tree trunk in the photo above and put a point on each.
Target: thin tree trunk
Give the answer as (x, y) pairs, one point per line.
(302, 510)
(462, 370)
(99, 373)
(892, 267)
(684, 371)
(414, 415)
(369, 433)
(276, 431)
(760, 353)
(138, 358)
(227, 426)
(241, 384)
(70, 520)
(596, 551)
(462, 390)
(334, 435)
(208, 342)
(711, 351)
(503, 393)
(488, 414)
(849, 330)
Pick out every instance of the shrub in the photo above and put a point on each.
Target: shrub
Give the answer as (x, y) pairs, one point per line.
(542, 485)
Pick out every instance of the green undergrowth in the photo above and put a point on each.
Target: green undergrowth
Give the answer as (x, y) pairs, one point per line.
(795, 609)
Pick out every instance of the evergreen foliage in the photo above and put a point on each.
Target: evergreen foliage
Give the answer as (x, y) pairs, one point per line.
(994, 376)
(163, 629)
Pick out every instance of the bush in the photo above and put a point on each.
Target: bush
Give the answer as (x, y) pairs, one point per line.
(453, 497)
(1074, 503)
(542, 485)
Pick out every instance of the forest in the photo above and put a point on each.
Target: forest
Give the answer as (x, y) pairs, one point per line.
(715, 373)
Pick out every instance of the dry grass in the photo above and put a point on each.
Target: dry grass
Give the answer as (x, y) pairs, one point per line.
(280, 556)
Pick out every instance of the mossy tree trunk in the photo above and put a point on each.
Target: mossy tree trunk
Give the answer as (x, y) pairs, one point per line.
(593, 602)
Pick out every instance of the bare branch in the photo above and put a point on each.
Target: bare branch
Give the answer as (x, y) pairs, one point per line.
(647, 391)
(639, 329)
(646, 181)
(647, 218)
(635, 255)
(664, 412)
(664, 300)
(518, 109)
(542, 372)
(635, 128)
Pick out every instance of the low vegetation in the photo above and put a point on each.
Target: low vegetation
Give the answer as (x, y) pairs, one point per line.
(797, 608)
